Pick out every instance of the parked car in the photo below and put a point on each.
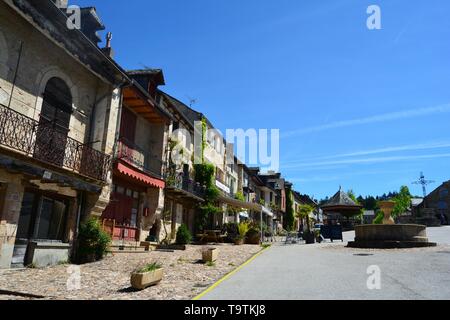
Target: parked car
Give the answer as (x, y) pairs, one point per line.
(317, 226)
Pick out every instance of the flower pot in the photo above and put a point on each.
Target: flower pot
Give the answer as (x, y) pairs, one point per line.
(210, 255)
(140, 281)
(239, 242)
(253, 238)
(309, 237)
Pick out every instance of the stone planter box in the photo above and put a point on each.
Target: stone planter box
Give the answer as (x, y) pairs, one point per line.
(210, 255)
(140, 281)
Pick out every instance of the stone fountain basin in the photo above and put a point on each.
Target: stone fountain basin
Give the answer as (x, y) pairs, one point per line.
(391, 236)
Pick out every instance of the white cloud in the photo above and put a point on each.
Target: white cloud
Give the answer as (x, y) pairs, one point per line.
(366, 160)
(412, 113)
(408, 147)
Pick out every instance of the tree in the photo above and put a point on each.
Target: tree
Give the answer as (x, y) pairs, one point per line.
(352, 196)
(370, 203)
(290, 215)
(402, 202)
(303, 213)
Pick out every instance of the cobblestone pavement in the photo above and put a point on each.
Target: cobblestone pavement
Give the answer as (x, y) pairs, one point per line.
(109, 279)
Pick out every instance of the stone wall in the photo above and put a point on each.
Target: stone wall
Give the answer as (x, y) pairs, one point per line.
(41, 60)
(95, 105)
(9, 215)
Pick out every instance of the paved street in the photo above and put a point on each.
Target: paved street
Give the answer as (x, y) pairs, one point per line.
(331, 271)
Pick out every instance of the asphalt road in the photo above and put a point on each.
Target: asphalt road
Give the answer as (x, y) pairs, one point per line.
(331, 271)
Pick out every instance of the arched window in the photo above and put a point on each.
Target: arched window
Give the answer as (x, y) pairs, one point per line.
(54, 121)
(57, 104)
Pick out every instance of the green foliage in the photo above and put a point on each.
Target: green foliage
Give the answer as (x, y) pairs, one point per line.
(243, 228)
(379, 218)
(402, 202)
(303, 213)
(352, 196)
(204, 174)
(254, 234)
(183, 235)
(210, 264)
(235, 210)
(253, 231)
(290, 215)
(93, 242)
(149, 268)
(239, 196)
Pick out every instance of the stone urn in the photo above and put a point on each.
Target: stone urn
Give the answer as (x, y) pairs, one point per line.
(387, 207)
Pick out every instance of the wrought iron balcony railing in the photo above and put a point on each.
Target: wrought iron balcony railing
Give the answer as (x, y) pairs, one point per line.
(136, 156)
(184, 183)
(46, 143)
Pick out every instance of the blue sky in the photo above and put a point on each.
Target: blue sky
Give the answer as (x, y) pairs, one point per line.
(365, 109)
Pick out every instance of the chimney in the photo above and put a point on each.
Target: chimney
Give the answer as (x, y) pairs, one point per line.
(108, 50)
(91, 24)
(62, 4)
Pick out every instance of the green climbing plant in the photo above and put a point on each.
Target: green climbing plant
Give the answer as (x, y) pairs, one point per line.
(204, 175)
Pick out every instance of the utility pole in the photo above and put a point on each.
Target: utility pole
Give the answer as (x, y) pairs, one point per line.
(423, 182)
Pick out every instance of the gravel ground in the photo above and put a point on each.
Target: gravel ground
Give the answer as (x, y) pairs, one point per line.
(109, 279)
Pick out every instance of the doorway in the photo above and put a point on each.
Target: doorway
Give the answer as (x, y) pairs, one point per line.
(42, 218)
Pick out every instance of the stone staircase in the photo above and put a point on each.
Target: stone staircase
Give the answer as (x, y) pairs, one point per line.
(119, 246)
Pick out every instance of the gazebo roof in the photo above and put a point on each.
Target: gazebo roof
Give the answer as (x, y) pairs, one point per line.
(341, 199)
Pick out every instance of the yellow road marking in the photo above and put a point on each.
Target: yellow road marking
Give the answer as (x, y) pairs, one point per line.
(230, 274)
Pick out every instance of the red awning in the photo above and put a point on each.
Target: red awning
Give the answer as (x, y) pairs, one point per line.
(142, 177)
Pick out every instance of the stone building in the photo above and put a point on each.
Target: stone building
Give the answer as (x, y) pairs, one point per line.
(182, 194)
(435, 209)
(274, 194)
(59, 103)
(137, 193)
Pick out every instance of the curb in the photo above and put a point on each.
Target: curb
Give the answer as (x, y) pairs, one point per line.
(229, 274)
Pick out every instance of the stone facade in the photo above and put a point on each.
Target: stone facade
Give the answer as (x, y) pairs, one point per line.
(30, 59)
(435, 209)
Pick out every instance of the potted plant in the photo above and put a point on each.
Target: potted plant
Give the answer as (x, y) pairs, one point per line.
(210, 254)
(303, 213)
(309, 237)
(231, 231)
(254, 235)
(183, 236)
(147, 276)
(243, 228)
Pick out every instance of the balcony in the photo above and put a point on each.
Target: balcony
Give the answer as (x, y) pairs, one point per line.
(48, 144)
(184, 187)
(137, 157)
